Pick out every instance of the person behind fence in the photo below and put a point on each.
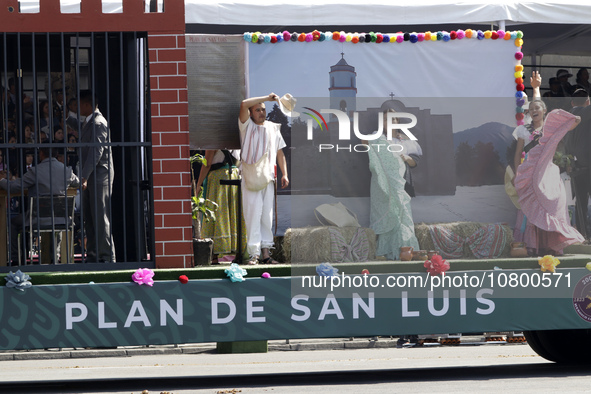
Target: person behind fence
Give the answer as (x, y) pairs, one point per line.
(48, 177)
(262, 146)
(221, 165)
(390, 211)
(96, 178)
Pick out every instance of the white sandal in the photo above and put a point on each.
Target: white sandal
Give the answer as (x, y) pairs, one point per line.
(254, 260)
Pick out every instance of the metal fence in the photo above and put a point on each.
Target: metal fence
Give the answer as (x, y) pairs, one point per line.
(49, 80)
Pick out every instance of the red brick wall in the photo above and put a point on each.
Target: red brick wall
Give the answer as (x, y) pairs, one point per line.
(170, 149)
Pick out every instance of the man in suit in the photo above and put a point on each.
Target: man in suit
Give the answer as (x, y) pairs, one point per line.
(96, 178)
(48, 177)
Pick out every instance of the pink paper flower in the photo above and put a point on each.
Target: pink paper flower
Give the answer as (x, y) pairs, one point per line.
(143, 276)
(436, 266)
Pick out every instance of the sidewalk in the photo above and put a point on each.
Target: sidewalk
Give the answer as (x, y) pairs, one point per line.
(273, 345)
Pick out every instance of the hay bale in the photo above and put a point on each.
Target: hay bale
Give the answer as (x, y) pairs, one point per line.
(464, 230)
(313, 244)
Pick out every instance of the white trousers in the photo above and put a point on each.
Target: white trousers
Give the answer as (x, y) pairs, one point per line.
(257, 208)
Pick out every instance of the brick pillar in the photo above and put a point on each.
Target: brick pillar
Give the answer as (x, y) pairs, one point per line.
(170, 148)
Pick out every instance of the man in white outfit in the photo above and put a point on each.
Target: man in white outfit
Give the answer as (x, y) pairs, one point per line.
(262, 146)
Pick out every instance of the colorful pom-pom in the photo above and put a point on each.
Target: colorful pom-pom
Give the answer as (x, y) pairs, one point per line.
(365, 271)
(487, 34)
(453, 34)
(393, 38)
(434, 37)
(501, 34)
(343, 38)
(518, 80)
(519, 67)
(494, 35)
(255, 37)
(507, 36)
(480, 35)
(399, 38)
(468, 33)
(421, 37)
(322, 37)
(413, 38)
(519, 94)
(267, 38)
(355, 39)
(428, 36)
(362, 37)
(520, 87)
(247, 37)
(439, 36)
(336, 35)
(518, 74)
(183, 279)
(406, 36)
(315, 35)
(519, 34)
(461, 34)
(279, 37)
(520, 122)
(286, 35)
(379, 38)
(273, 39)
(518, 55)
(367, 38)
(348, 37)
(446, 36)
(386, 38)
(266, 275)
(519, 116)
(373, 36)
(294, 36)
(519, 42)
(520, 102)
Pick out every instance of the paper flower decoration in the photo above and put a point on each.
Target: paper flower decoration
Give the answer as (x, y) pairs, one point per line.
(183, 279)
(548, 263)
(266, 275)
(19, 280)
(436, 266)
(588, 266)
(365, 272)
(235, 273)
(325, 269)
(143, 276)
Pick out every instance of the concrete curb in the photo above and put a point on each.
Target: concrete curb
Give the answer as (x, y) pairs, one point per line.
(275, 345)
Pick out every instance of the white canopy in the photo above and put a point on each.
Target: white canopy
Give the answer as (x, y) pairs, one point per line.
(384, 12)
(550, 27)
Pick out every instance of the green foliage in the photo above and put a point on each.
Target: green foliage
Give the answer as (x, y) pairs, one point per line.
(562, 160)
(200, 204)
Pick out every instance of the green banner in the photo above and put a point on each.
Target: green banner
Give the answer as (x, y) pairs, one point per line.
(123, 314)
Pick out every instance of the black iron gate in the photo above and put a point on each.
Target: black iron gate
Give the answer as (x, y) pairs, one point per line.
(47, 81)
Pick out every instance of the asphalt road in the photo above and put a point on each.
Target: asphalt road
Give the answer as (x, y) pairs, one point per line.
(441, 369)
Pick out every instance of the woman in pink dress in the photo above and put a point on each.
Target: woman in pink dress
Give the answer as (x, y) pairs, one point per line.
(541, 191)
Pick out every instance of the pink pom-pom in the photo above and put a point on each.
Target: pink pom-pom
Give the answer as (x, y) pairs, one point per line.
(520, 122)
(399, 38)
(343, 37)
(518, 55)
(421, 37)
(266, 275)
(309, 37)
(286, 36)
(501, 34)
(461, 34)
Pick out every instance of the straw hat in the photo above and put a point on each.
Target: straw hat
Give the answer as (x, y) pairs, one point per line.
(287, 105)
